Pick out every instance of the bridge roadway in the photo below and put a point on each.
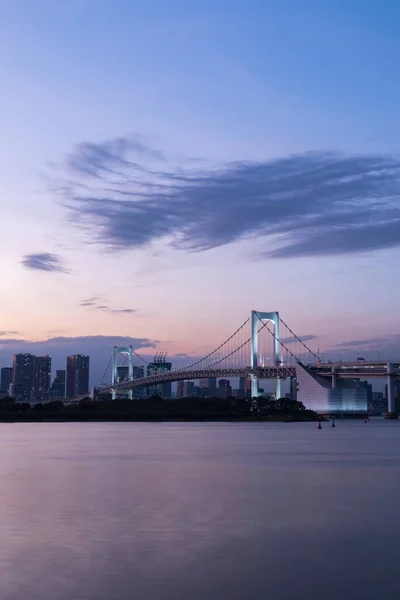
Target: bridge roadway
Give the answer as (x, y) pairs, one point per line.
(355, 370)
(342, 370)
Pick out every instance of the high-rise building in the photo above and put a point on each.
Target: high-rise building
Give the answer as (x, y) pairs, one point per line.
(188, 389)
(224, 388)
(77, 375)
(6, 379)
(23, 375)
(58, 386)
(209, 384)
(42, 379)
(247, 388)
(158, 366)
(180, 389)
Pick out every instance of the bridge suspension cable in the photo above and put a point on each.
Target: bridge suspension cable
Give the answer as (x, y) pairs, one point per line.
(146, 362)
(105, 372)
(265, 324)
(204, 358)
(298, 339)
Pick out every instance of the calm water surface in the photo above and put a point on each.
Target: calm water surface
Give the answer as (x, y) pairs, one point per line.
(192, 511)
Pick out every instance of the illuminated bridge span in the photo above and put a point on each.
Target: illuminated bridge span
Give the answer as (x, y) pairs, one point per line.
(263, 347)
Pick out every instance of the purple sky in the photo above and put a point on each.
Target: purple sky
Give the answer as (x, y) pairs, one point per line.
(165, 168)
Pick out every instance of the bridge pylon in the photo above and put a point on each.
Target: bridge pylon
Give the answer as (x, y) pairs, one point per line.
(256, 317)
(127, 351)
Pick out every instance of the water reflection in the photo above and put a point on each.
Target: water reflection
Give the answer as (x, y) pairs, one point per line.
(118, 511)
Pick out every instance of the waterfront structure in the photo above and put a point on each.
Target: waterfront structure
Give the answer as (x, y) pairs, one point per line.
(322, 386)
(77, 375)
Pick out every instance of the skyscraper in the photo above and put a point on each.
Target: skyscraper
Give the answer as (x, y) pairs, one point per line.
(6, 379)
(23, 375)
(77, 375)
(58, 386)
(42, 378)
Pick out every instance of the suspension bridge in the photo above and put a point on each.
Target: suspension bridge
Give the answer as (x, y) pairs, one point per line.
(264, 347)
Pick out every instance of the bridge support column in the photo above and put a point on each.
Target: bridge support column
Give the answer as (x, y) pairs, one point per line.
(293, 388)
(334, 377)
(391, 413)
(254, 386)
(256, 317)
(114, 378)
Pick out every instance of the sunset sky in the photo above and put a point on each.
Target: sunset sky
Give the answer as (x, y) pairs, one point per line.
(167, 166)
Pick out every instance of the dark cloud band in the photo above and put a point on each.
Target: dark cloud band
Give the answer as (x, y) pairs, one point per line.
(319, 203)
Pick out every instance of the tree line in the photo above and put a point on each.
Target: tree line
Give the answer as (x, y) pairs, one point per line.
(157, 408)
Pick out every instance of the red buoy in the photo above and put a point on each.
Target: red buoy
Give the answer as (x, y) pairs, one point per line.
(319, 425)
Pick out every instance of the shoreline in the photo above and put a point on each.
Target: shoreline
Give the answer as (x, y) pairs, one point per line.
(210, 419)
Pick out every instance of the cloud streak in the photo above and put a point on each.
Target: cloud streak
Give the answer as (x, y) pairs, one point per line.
(317, 203)
(302, 338)
(97, 303)
(44, 261)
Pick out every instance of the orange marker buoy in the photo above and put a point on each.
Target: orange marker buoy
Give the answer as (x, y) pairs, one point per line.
(319, 425)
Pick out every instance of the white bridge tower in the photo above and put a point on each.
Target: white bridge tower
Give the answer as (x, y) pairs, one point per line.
(256, 317)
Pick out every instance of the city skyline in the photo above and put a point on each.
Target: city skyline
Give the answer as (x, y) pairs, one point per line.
(256, 181)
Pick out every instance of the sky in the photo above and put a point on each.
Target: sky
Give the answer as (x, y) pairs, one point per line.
(168, 166)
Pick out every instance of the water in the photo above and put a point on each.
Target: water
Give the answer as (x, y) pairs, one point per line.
(117, 511)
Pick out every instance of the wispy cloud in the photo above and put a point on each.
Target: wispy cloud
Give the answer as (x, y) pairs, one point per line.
(302, 338)
(317, 203)
(97, 303)
(372, 342)
(86, 302)
(7, 333)
(44, 262)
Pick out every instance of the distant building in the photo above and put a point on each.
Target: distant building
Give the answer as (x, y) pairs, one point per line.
(42, 378)
(23, 376)
(123, 373)
(58, 386)
(379, 404)
(19, 392)
(247, 388)
(209, 384)
(6, 379)
(158, 366)
(180, 389)
(188, 389)
(224, 388)
(77, 375)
